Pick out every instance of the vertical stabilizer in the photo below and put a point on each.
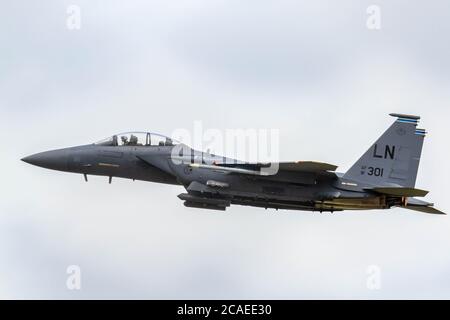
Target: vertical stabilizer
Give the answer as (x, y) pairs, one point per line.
(394, 158)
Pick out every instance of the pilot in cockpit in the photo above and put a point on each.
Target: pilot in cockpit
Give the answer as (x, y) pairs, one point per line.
(124, 140)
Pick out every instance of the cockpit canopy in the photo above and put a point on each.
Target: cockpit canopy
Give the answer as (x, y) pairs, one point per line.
(137, 139)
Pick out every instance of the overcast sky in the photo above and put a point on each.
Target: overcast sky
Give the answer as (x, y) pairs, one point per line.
(311, 69)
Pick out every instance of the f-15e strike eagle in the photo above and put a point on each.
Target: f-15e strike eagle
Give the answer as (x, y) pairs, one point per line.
(382, 178)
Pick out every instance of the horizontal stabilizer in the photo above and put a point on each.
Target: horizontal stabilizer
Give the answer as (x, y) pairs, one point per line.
(400, 191)
(425, 209)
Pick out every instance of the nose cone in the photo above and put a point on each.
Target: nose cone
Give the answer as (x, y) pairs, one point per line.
(55, 159)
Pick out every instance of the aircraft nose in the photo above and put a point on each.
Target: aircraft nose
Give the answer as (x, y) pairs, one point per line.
(55, 159)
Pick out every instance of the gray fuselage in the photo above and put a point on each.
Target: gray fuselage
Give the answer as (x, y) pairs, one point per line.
(284, 190)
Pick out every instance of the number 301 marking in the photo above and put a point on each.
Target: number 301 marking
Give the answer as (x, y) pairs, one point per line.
(377, 172)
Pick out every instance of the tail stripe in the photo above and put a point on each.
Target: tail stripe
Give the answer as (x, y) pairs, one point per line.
(403, 120)
(421, 132)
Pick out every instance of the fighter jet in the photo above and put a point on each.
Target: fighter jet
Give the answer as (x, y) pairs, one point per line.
(382, 178)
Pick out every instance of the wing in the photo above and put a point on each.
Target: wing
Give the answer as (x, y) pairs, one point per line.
(268, 169)
(425, 209)
(307, 166)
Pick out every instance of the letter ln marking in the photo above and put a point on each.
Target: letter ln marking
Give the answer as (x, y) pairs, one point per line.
(389, 152)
